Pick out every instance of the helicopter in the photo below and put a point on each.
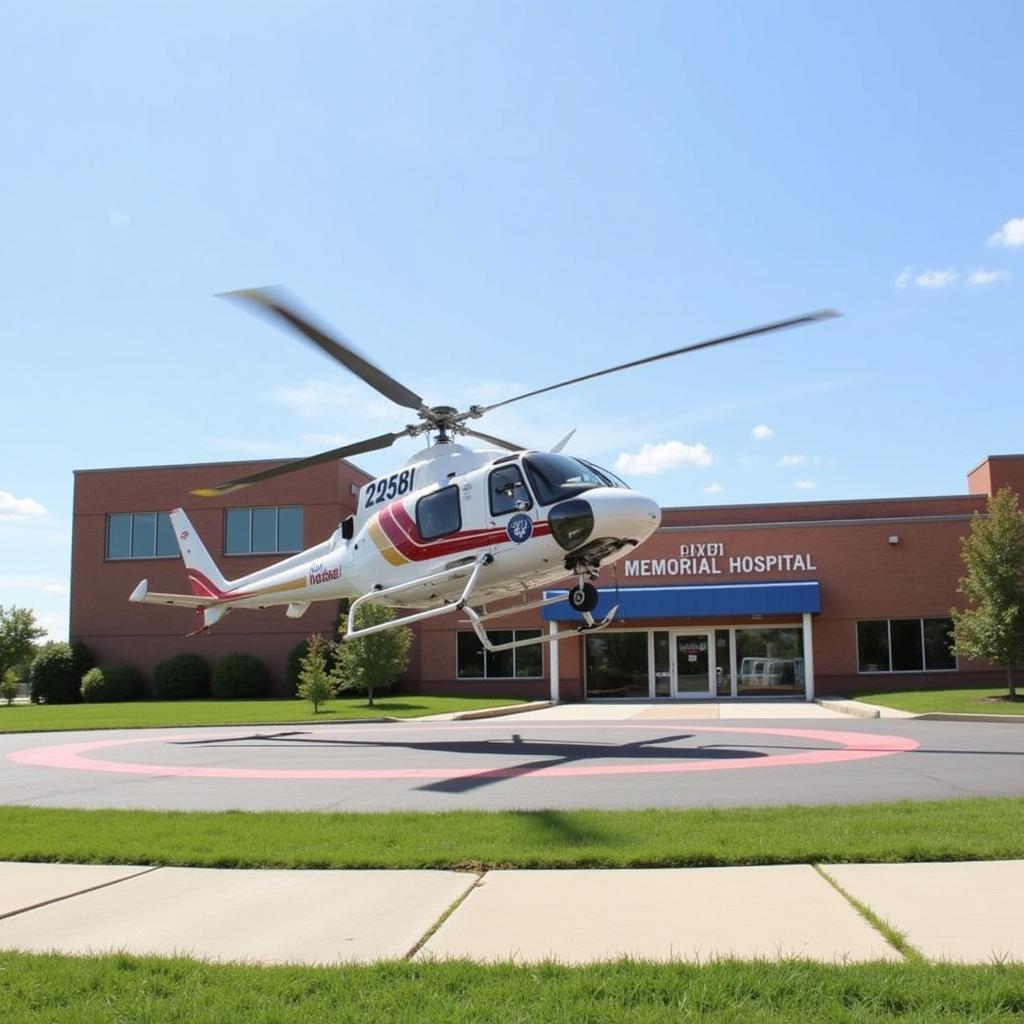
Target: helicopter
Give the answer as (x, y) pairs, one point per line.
(455, 529)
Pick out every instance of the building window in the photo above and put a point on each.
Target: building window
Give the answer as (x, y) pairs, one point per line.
(771, 661)
(140, 535)
(905, 645)
(438, 514)
(617, 664)
(263, 531)
(520, 663)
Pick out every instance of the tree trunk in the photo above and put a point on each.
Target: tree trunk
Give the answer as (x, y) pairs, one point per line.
(1010, 685)
(369, 694)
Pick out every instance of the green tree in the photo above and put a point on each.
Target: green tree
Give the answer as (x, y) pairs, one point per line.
(19, 632)
(315, 682)
(992, 629)
(9, 686)
(372, 662)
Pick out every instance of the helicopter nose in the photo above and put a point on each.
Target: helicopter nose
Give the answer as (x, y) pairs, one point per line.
(604, 513)
(627, 515)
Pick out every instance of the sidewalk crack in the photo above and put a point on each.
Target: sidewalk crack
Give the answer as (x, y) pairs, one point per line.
(455, 904)
(895, 938)
(79, 892)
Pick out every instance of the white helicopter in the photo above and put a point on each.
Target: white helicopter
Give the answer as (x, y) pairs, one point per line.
(455, 529)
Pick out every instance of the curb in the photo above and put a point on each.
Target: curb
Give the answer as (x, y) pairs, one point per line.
(508, 709)
(953, 716)
(849, 707)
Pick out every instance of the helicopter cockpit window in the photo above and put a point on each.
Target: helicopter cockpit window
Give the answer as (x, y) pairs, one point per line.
(438, 514)
(555, 477)
(606, 475)
(508, 491)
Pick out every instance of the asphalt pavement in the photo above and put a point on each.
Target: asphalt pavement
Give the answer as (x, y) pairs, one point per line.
(571, 756)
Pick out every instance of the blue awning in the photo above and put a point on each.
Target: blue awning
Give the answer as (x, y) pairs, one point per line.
(686, 602)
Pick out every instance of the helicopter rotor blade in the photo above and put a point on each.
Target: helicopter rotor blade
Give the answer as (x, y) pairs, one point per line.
(371, 444)
(491, 439)
(272, 301)
(779, 325)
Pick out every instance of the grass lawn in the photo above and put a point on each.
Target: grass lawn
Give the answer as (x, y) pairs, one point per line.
(116, 989)
(147, 714)
(976, 829)
(977, 701)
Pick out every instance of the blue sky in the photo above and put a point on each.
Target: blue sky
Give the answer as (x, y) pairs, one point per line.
(487, 197)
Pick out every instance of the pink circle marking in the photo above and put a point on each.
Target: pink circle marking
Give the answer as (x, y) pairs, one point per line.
(852, 747)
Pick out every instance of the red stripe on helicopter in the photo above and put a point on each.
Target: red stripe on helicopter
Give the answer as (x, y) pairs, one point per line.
(400, 528)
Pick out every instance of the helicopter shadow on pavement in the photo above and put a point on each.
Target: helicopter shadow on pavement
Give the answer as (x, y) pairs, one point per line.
(542, 754)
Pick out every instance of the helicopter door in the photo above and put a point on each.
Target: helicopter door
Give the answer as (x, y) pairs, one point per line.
(507, 491)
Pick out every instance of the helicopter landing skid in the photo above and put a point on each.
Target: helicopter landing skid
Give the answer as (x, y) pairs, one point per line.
(590, 625)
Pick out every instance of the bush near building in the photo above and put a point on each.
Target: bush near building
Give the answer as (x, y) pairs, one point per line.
(239, 675)
(109, 684)
(181, 677)
(371, 664)
(53, 677)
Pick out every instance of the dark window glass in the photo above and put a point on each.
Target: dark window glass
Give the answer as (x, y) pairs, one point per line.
(469, 656)
(905, 640)
(264, 531)
(723, 666)
(606, 475)
(617, 665)
(119, 536)
(555, 476)
(500, 664)
(519, 663)
(873, 646)
(144, 535)
(166, 542)
(289, 528)
(662, 664)
(529, 660)
(508, 492)
(438, 514)
(938, 645)
(770, 661)
(236, 531)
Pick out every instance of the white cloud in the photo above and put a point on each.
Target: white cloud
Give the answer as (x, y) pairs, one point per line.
(762, 432)
(28, 581)
(312, 398)
(804, 485)
(1011, 234)
(982, 277)
(13, 509)
(657, 458)
(713, 489)
(791, 460)
(935, 278)
(903, 281)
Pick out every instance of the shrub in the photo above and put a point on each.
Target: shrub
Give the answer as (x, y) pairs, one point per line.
(52, 678)
(239, 675)
(81, 658)
(293, 666)
(9, 686)
(111, 683)
(181, 677)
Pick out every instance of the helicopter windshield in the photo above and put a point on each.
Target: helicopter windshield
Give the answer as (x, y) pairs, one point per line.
(606, 475)
(555, 477)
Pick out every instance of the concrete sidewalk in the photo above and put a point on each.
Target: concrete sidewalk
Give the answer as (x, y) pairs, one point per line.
(968, 912)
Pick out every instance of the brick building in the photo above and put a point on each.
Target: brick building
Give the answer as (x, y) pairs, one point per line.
(804, 598)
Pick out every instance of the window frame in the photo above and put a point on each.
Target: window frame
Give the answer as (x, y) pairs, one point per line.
(522, 481)
(277, 550)
(890, 671)
(132, 516)
(517, 634)
(433, 496)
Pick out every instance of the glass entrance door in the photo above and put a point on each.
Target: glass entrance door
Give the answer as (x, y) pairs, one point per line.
(693, 665)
